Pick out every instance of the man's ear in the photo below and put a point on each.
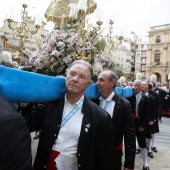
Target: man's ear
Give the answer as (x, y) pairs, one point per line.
(113, 82)
(91, 82)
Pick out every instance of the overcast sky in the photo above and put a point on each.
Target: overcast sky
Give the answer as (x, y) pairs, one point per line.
(132, 15)
(138, 15)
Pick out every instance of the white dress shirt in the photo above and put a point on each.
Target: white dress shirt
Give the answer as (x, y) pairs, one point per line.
(68, 136)
(138, 97)
(111, 104)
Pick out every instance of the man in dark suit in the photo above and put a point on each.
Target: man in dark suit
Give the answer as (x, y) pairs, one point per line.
(25, 108)
(140, 109)
(75, 132)
(157, 88)
(155, 126)
(120, 110)
(150, 116)
(15, 140)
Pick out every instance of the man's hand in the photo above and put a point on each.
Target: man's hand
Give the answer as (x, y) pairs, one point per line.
(141, 129)
(150, 122)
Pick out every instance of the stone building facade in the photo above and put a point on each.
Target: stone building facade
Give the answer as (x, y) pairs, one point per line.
(123, 57)
(141, 57)
(13, 44)
(158, 60)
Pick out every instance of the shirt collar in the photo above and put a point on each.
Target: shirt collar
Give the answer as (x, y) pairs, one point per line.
(69, 104)
(109, 98)
(138, 94)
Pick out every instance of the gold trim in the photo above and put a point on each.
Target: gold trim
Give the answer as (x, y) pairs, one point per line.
(82, 56)
(53, 18)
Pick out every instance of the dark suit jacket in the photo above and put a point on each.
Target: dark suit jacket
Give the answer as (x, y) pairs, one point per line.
(155, 109)
(143, 109)
(95, 148)
(15, 140)
(156, 101)
(161, 97)
(153, 105)
(123, 126)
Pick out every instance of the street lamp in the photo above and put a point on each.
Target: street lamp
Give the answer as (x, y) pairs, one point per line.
(21, 31)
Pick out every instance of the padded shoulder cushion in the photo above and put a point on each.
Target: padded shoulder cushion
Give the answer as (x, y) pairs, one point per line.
(19, 86)
(22, 86)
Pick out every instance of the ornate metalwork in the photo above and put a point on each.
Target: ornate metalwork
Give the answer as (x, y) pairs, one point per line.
(21, 31)
(111, 43)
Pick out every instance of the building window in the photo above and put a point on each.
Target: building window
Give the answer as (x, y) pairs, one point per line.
(143, 53)
(143, 60)
(145, 47)
(158, 39)
(139, 47)
(157, 59)
(143, 68)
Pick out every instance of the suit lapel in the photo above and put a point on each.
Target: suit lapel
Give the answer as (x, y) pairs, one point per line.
(6, 105)
(86, 123)
(59, 113)
(116, 99)
(117, 105)
(141, 100)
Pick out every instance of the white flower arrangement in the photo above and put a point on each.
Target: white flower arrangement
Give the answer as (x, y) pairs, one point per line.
(57, 53)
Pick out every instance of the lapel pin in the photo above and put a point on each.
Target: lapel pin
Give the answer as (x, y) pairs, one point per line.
(86, 130)
(88, 125)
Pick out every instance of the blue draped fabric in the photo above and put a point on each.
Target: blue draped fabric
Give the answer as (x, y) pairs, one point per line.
(22, 86)
(119, 91)
(127, 92)
(92, 92)
(19, 86)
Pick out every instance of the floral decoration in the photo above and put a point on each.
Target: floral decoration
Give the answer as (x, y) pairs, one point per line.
(57, 53)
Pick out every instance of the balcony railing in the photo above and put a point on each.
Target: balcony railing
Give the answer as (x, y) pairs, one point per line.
(160, 64)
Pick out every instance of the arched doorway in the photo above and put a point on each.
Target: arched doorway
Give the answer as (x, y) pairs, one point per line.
(158, 77)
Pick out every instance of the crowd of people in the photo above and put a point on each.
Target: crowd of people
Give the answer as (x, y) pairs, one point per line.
(163, 96)
(150, 102)
(82, 134)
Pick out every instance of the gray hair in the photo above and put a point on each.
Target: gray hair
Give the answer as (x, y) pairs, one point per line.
(138, 81)
(112, 76)
(82, 62)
